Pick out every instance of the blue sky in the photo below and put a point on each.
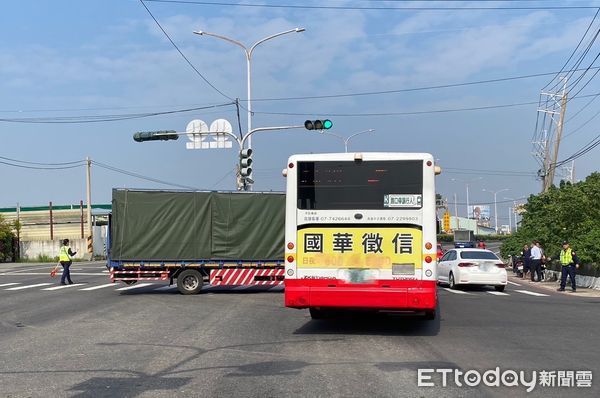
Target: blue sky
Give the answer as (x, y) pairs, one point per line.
(71, 58)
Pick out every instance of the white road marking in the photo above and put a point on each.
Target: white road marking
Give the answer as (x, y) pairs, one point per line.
(29, 286)
(9, 284)
(531, 293)
(63, 286)
(98, 287)
(137, 285)
(455, 291)
(512, 283)
(498, 293)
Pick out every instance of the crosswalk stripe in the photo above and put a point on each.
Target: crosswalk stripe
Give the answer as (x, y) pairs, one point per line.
(28, 286)
(499, 293)
(513, 283)
(63, 286)
(455, 291)
(9, 284)
(531, 293)
(134, 286)
(98, 287)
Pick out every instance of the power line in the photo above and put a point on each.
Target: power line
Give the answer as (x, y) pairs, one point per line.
(404, 90)
(383, 8)
(450, 110)
(575, 50)
(104, 118)
(332, 114)
(22, 166)
(140, 176)
(582, 151)
(183, 55)
(582, 125)
(43, 164)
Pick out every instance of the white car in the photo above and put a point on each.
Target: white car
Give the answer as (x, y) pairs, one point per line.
(471, 267)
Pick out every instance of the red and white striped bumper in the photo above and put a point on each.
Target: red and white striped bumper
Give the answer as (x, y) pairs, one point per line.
(245, 277)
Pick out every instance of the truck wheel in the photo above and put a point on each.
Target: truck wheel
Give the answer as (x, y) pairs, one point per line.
(189, 281)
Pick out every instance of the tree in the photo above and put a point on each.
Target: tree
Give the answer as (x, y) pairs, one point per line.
(7, 238)
(570, 212)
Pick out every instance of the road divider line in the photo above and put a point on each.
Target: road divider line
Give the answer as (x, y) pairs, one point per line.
(136, 286)
(63, 286)
(499, 293)
(98, 287)
(512, 283)
(9, 284)
(29, 286)
(455, 291)
(532, 293)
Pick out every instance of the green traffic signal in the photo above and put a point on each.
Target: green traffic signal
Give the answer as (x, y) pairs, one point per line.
(318, 124)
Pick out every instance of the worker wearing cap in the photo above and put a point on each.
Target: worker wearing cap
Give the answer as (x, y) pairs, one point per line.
(569, 262)
(65, 258)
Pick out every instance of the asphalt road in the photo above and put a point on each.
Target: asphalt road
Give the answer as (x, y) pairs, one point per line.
(153, 342)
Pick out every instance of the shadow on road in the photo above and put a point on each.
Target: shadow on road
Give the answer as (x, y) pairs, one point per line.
(365, 323)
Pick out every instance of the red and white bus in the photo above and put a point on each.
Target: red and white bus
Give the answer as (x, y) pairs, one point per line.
(361, 232)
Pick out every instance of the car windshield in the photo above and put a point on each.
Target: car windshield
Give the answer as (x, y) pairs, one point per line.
(478, 255)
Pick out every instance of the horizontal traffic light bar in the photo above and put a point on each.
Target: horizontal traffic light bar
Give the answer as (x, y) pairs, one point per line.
(164, 135)
(318, 124)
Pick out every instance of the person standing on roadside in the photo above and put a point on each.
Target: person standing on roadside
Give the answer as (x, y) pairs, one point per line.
(65, 259)
(569, 262)
(536, 261)
(526, 256)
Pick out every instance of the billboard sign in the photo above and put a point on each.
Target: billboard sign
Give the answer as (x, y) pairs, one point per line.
(480, 212)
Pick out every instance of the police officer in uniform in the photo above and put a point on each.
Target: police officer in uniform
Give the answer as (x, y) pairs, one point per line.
(569, 262)
(65, 256)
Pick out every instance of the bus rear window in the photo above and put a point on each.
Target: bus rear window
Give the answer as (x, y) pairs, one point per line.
(369, 185)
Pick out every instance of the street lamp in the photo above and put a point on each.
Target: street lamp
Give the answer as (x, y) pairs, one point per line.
(248, 52)
(495, 205)
(467, 185)
(345, 140)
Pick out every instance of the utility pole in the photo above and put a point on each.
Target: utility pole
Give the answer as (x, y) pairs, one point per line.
(552, 111)
(88, 186)
(559, 129)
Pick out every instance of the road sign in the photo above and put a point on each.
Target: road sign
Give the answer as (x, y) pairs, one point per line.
(203, 137)
(446, 221)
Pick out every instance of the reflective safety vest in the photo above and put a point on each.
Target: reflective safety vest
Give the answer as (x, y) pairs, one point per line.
(566, 256)
(64, 254)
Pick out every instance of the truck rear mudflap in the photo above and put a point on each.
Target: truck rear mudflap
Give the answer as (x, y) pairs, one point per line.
(381, 294)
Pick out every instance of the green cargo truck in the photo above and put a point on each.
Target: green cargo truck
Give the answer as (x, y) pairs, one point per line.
(192, 238)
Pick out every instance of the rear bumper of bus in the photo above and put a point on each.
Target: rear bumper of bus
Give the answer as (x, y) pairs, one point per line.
(382, 295)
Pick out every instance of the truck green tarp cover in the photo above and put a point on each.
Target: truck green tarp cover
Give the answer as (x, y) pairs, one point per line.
(191, 226)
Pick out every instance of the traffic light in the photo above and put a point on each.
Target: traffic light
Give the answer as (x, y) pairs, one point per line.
(246, 162)
(164, 135)
(318, 124)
